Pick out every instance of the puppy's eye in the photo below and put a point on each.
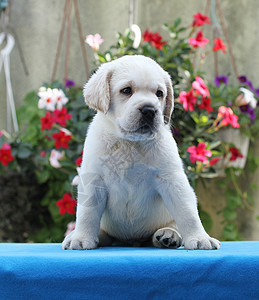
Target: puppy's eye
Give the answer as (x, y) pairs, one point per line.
(159, 94)
(126, 91)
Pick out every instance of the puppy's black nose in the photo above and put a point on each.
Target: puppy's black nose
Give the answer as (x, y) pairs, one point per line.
(148, 112)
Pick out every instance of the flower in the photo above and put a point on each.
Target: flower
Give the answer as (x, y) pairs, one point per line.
(1, 133)
(70, 227)
(154, 38)
(248, 110)
(235, 154)
(200, 87)
(198, 41)
(221, 79)
(60, 98)
(214, 161)
(219, 45)
(60, 116)
(76, 179)
(200, 20)
(55, 157)
(61, 139)
(6, 154)
(47, 121)
(257, 93)
(249, 97)
(46, 99)
(242, 79)
(94, 41)
(66, 204)
(43, 153)
(226, 117)
(199, 153)
(69, 83)
(205, 104)
(188, 100)
(79, 159)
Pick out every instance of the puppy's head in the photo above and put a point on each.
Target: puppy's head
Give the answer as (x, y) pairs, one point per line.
(134, 93)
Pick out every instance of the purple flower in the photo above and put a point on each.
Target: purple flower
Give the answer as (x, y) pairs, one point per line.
(221, 79)
(257, 93)
(69, 83)
(248, 110)
(244, 80)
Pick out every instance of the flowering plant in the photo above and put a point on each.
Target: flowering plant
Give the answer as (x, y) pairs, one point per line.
(50, 144)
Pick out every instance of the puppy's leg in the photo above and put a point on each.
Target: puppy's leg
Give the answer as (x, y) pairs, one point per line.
(167, 237)
(91, 202)
(180, 200)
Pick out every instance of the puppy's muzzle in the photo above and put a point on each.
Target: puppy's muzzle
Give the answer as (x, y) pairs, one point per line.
(148, 114)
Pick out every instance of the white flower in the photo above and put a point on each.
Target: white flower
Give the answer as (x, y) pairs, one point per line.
(46, 99)
(55, 157)
(60, 98)
(70, 227)
(94, 41)
(75, 180)
(249, 97)
(67, 132)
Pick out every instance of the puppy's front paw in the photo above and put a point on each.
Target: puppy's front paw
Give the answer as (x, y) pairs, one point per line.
(166, 238)
(75, 241)
(203, 242)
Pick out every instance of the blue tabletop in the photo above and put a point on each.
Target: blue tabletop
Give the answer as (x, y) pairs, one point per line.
(45, 271)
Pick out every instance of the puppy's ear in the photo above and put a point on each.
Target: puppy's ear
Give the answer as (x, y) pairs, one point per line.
(97, 89)
(169, 103)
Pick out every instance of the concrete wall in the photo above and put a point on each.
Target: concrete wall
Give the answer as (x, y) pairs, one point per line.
(37, 24)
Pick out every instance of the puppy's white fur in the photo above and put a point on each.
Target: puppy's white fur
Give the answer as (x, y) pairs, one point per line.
(132, 183)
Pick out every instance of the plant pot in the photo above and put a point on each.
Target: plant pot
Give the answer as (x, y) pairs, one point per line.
(241, 142)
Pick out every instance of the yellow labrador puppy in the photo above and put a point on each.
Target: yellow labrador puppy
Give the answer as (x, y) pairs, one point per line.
(132, 184)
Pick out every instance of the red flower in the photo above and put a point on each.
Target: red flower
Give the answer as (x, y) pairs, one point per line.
(205, 104)
(219, 45)
(200, 20)
(188, 100)
(213, 161)
(6, 154)
(154, 38)
(235, 154)
(199, 153)
(79, 160)
(60, 116)
(226, 115)
(61, 139)
(66, 204)
(47, 121)
(198, 41)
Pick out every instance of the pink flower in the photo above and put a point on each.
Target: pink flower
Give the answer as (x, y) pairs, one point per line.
(94, 41)
(200, 87)
(1, 133)
(226, 117)
(199, 153)
(219, 45)
(188, 100)
(55, 157)
(198, 41)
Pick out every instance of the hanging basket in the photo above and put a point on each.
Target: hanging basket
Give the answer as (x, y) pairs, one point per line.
(241, 142)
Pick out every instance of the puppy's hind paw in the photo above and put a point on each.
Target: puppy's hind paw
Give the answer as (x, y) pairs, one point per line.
(167, 238)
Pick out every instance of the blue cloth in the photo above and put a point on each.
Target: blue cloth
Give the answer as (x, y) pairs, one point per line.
(45, 271)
